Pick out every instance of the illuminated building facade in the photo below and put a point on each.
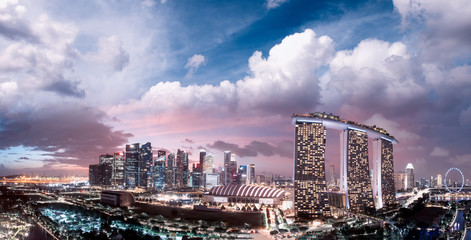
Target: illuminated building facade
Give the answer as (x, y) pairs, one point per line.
(355, 181)
(383, 184)
(100, 174)
(439, 181)
(358, 192)
(310, 190)
(145, 165)
(159, 171)
(251, 174)
(131, 167)
(170, 172)
(409, 182)
(400, 180)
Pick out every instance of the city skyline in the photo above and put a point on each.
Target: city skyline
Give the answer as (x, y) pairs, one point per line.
(82, 80)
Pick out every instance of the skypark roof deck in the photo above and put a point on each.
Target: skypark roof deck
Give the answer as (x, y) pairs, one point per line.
(335, 122)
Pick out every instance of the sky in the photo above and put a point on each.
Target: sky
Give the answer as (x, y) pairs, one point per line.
(83, 78)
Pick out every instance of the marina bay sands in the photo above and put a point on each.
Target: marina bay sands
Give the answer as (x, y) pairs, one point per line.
(359, 192)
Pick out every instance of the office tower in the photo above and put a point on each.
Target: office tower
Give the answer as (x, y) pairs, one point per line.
(432, 182)
(202, 154)
(227, 175)
(310, 190)
(383, 184)
(242, 174)
(251, 174)
(211, 180)
(186, 171)
(439, 181)
(118, 169)
(159, 171)
(355, 169)
(332, 181)
(145, 166)
(208, 163)
(100, 174)
(170, 172)
(233, 170)
(409, 176)
(400, 181)
(179, 169)
(131, 169)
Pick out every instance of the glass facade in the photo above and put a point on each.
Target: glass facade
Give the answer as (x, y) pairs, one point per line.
(145, 166)
(387, 174)
(359, 194)
(131, 169)
(310, 192)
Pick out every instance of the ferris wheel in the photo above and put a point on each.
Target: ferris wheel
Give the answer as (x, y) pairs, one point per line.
(462, 179)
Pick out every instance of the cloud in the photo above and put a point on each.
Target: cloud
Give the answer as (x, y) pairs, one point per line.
(189, 140)
(442, 25)
(283, 83)
(24, 158)
(274, 3)
(194, 63)
(283, 149)
(71, 134)
(110, 52)
(439, 152)
(65, 88)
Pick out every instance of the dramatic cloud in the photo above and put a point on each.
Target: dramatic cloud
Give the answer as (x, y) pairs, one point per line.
(194, 63)
(283, 83)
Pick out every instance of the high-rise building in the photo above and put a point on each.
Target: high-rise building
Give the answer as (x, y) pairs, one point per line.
(439, 181)
(251, 174)
(355, 166)
(159, 171)
(409, 177)
(211, 180)
(202, 155)
(170, 172)
(100, 174)
(196, 176)
(310, 190)
(208, 163)
(383, 184)
(118, 169)
(400, 180)
(227, 176)
(233, 170)
(145, 165)
(186, 171)
(179, 169)
(242, 174)
(131, 169)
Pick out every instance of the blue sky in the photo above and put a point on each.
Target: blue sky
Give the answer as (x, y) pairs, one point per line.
(84, 78)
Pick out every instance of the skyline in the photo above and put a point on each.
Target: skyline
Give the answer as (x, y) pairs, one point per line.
(80, 80)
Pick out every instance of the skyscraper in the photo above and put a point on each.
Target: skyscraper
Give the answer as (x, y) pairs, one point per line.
(208, 163)
(251, 174)
(186, 171)
(310, 190)
(159, 171)
(383, 185)
(131, 176)
(118, 169)
(227, 175)
(100, 174)
(439, 181)
(202, 155)
(179, 169)
(145, 165)
(233, 170)
(170, 172)
(242, 174)
(409, 177)
(355, 167)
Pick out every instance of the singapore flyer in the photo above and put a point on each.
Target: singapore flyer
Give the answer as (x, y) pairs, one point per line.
(462, 179)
